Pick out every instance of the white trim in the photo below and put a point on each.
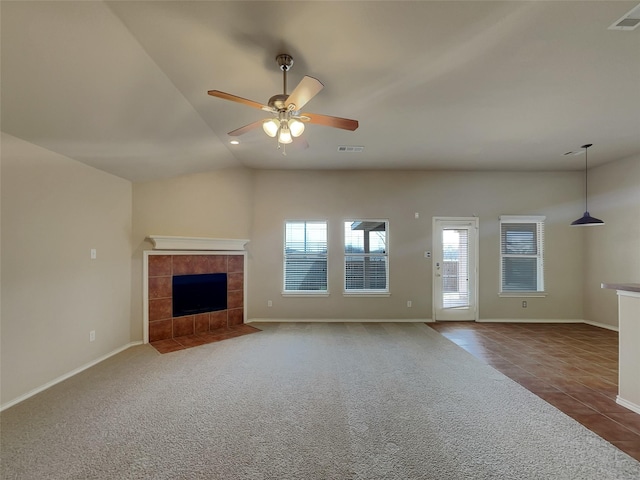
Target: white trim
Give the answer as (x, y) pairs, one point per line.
(473, 223)
(64, 377)
(530, 320)
(547, 320)
(538, 221)
(366, 293)
(145, 295)
(305, 293)
(522, 218)
(161, 242)
(522, 294)
(340, 320)
(627, 404)
(628, 293)
(602, 325)
(325, 256)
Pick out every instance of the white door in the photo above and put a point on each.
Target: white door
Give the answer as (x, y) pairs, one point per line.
(455, 268)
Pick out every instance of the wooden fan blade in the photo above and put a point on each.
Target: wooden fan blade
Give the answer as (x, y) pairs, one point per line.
(328, 121)
(235, 98)
(247, 128)
(305, 91)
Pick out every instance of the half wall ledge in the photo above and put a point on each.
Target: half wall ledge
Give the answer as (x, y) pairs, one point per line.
(163, 242)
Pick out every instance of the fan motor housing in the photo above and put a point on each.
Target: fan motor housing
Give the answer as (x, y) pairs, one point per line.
(278, 101)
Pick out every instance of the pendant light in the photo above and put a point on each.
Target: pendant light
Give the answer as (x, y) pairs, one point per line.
(586, 220)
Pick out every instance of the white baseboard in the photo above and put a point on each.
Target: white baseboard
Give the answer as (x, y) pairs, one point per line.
(547, 320)
(529, 320)
(340, 320)
(627, 404)
(67, 375)
(602, 325)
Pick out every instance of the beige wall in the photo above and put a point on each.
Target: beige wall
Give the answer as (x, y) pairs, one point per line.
(612, 251)
(396, 196)
(216, 204)
(54, 210)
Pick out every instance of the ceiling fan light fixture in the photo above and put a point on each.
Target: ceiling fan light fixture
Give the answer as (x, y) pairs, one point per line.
(270, 127)
(284, 136)
(296, 127)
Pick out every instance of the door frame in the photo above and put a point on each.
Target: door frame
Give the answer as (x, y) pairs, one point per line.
(472, 222)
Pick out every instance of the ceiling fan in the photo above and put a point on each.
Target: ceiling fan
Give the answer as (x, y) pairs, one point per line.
(287, 121)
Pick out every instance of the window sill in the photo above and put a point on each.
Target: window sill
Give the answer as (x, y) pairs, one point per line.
(305, 294)
(522, 294)
(364, 293)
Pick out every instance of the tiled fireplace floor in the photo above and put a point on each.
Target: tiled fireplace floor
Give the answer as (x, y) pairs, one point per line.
(574, 367)
(188, 341)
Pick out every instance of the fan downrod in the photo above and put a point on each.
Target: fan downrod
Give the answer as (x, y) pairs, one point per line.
(278, 102)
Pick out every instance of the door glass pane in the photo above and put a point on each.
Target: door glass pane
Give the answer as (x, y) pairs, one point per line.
(455, 268)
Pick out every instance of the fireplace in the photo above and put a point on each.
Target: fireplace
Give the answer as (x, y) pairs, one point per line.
(171, 274)
(192, 294)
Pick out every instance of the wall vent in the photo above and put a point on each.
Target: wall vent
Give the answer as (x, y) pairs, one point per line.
(629, 21)
(350, 148)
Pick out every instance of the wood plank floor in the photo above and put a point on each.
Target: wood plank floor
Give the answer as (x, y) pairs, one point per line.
(574, 367)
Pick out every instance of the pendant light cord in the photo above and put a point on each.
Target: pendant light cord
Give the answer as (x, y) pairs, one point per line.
(586, 179)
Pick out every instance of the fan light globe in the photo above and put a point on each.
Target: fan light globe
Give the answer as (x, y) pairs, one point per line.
(285, 134)
(270, 127)
(296, 127)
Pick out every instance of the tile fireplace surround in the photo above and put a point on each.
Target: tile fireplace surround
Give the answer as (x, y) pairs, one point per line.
(162, 266)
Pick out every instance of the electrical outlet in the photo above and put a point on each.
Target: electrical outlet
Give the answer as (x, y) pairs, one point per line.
(409, 303)
(92, 336)
(524, 304)
(416, 215)
(427, 254)
(94, 254)
(269, 303)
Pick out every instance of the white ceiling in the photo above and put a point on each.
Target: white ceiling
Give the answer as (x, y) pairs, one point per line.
(477, 85)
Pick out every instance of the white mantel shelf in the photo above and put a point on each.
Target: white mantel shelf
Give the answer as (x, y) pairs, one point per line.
(163, 242)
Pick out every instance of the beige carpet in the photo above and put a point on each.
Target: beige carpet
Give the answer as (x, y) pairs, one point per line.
(301, 401)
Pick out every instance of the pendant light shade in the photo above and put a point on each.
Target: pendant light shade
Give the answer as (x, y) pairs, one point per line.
(586, 220)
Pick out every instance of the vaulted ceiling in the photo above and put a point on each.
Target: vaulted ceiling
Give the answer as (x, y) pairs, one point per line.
(477, 85)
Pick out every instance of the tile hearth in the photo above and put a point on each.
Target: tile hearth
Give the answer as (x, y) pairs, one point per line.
(188, 341)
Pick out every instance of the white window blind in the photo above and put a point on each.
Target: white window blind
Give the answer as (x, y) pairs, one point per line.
(521, 253)
(366, 256)
(305, 256)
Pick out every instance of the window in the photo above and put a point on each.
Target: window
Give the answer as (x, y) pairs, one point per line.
(521, 254)
(366, 258)
(305, 257)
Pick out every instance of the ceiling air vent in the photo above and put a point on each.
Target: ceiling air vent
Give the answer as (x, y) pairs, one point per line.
(629, 21)
(350, 148)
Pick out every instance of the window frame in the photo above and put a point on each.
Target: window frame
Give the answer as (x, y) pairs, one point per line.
(371, 292)
(538, 221)
(285, 256)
